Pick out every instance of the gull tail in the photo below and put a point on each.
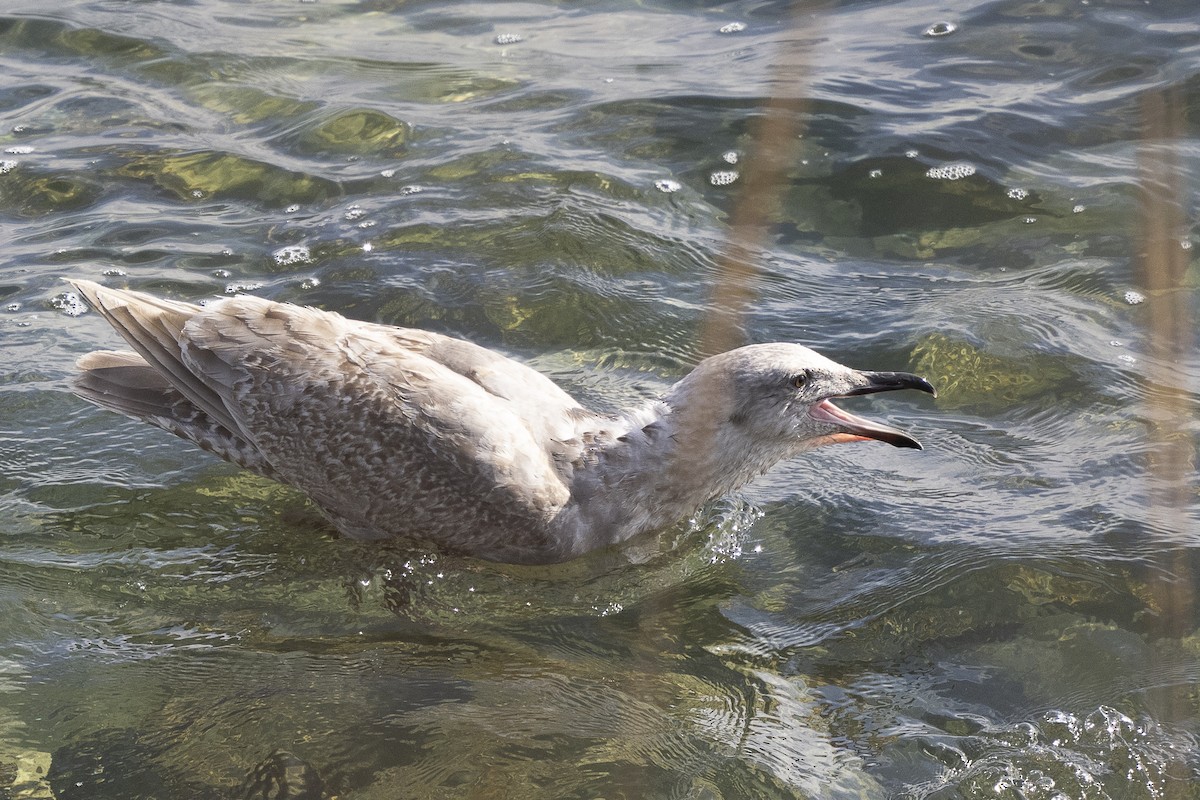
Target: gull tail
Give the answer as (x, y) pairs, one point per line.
(123, 382)
(154, 384)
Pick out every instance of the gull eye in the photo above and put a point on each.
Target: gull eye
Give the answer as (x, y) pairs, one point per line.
(800, 379)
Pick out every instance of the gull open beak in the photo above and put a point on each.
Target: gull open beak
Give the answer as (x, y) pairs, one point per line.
(857, 429)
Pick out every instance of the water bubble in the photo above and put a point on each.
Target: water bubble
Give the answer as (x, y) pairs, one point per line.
(910, 154)
(310, 283)
(19, 150)
(240, 287)
(941, 29)
(951, 172)
(1078, 209)
(1115, 343)
(355, 212)
(875, 173)
(609, 609)
(226, 251)
(13, 307)
(406, 190)
(196, 193)
(509, 38)
(1018, 194)
(368, 247)
(723, 177)
(730, 157)
(1029, 220)
(292, 209)
(1128, 359)
(368, 224)
(222, 273)
(115, 272)
(733, 27)
(667, 185)
(7, 167)
(69, 304)
(1186, 244)
(292, 254)
(1133, 297)
(388, 173)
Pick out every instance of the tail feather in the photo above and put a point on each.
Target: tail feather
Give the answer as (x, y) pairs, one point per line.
(152, 326)
(125, 383)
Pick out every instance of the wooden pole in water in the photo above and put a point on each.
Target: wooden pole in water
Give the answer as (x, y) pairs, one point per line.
(1161, 265)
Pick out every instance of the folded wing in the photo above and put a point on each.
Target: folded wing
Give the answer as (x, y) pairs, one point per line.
(391, 431)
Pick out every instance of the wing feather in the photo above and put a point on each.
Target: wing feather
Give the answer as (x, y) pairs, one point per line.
(390, 430)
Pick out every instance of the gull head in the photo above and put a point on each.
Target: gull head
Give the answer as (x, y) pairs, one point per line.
(783, 394)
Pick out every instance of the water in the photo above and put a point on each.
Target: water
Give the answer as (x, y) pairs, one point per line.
(1000, 195)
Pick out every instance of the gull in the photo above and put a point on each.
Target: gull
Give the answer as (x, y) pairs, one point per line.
(401, 432)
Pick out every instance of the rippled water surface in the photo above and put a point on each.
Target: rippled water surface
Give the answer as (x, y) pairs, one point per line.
(1000, 195)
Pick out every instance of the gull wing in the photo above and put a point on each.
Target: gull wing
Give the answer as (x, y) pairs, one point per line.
(389, 430)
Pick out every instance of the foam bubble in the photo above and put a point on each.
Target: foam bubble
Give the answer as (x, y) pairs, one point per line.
(1133, 297)
(7, 167)
(667, 185)
(1018, 194)
(951, 172)
(292, 254)
(943, 28)
(240, 287)
(733, 27)
(69, 303)
(730, 157)
(723, 177)
(509, 38)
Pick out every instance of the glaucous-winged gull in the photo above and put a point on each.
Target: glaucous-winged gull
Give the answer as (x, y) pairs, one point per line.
(404, 432)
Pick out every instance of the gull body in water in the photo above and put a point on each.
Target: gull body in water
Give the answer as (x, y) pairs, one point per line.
(403, 432)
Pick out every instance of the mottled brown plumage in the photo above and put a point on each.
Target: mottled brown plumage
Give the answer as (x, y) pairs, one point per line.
(403, 432)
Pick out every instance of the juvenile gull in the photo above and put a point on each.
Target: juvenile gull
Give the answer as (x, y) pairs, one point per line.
(403, 432)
